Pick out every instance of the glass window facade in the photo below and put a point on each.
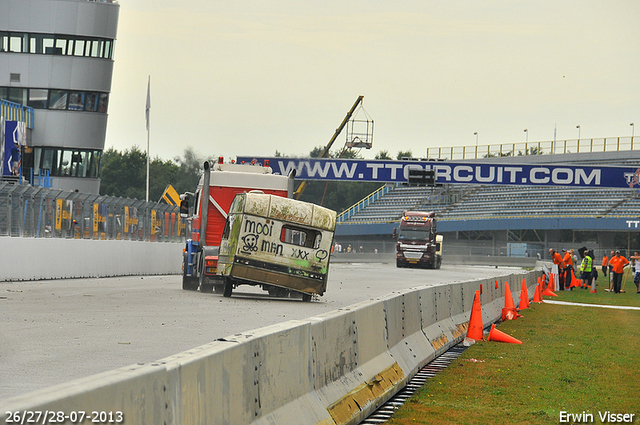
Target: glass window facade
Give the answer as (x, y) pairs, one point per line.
(70, 100)
(56, 44)
(67, 162)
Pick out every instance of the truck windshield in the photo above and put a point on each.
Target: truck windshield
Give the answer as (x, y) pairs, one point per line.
(413, 234)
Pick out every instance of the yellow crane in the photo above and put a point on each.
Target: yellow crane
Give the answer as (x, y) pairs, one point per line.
(325, 152)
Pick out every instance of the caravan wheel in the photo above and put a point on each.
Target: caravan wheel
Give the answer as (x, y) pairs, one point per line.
(228, 287)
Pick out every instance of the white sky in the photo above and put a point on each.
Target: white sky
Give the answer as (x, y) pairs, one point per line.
(248, 78)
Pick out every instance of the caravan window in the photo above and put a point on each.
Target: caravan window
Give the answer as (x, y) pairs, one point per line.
(300, 236)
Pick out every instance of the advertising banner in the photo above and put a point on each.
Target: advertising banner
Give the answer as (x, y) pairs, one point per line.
(2, 144)
(390, 171)
(14, 138)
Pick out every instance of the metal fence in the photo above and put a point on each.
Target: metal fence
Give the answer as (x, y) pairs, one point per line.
(38, 212)
(609, 144)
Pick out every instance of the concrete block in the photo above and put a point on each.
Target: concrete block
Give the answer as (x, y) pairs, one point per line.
(139, 394)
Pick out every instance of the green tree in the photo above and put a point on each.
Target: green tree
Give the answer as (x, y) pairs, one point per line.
(191, 167)
(383, 155)
(404, 154)
(530, 151)
(338, 195)
(125, 173)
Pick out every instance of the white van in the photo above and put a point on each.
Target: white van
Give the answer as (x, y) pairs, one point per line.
(280, 244)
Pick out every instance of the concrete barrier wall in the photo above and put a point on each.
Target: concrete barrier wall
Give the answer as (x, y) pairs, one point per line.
(52, 258)
(335, 368)
(448, 259)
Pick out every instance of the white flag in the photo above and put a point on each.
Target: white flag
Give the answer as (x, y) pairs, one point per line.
(146, 111)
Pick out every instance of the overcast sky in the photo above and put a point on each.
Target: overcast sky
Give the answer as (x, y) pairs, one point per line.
(235, 78)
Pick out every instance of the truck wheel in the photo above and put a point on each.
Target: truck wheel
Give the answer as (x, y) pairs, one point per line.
(272, 290)
(306, 297)
(438, 262)
(204, 285)
(228, 287)
(189, 283)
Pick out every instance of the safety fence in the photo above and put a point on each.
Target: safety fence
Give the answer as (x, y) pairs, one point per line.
(607, 144)
(38, 212)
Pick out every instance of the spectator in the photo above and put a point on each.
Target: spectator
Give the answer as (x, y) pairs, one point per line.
(15, 159)
(585, 269)
(635, 260)
(610, 271)
(618, 262)
(557, 260)
(605, 264)
(568, 268)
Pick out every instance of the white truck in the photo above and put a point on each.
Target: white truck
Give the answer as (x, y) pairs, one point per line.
(280, 244)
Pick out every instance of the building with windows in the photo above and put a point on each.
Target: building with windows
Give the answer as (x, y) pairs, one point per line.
(56, 56)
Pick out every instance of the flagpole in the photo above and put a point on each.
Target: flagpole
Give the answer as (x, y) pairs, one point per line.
(147, 116)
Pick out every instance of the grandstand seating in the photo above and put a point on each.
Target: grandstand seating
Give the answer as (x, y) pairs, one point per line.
(474, 202)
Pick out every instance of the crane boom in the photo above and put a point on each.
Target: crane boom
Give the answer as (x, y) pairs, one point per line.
(325, 152)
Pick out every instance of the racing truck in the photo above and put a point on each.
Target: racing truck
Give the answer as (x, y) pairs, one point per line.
(206, 213)
(418, 243)
(282, 245)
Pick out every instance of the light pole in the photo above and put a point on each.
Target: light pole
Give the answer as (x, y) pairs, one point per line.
(633, 128)
(476, 134)
(578, 127)
(526, 135)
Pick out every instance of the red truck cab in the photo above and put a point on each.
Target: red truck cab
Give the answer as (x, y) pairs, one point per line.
(208, 212)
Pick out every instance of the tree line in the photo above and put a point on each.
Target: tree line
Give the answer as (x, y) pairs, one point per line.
(125, 173)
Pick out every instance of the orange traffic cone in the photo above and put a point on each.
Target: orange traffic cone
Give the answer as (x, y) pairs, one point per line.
(537, 298)
(593, 286)
(524, 296)
(575, 282)
(548, 292)
(474, 332)
(496, 284)
(509, 311)
(499, 336)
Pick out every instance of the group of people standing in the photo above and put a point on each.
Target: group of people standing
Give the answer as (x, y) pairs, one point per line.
(565, 263)
(614, 264)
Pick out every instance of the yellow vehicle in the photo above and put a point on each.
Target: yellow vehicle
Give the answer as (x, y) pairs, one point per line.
(280, 244)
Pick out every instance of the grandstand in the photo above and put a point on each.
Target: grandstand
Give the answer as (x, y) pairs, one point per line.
(600, 217)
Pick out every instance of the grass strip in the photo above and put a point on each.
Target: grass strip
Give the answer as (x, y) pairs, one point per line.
(577, 360)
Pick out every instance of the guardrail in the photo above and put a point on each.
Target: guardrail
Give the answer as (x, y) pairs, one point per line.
(606, 144)
(336, 368)
(38, 212)
(13, 111)
(363, 203)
